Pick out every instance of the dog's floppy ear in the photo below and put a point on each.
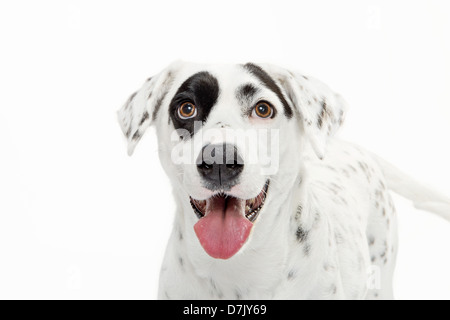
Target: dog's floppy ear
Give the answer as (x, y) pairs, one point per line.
(321, 110)
(142, 107)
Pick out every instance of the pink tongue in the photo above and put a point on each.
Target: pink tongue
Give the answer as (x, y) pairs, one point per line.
(223, 231)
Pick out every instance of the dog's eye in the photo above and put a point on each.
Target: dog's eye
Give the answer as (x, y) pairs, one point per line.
(262, 110)
(187, 111)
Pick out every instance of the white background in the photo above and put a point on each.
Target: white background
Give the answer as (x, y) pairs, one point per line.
(80, 219)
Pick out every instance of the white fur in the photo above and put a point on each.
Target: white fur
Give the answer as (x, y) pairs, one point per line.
(328, 229)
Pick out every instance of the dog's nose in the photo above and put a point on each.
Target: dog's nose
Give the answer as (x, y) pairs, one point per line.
(220, 166)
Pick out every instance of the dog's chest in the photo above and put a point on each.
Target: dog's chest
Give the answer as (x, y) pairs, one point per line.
(276, 272)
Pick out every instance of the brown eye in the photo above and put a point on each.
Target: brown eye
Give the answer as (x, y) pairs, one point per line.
(263, 110)
(187, 110)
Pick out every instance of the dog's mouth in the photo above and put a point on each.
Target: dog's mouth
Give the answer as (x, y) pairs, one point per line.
(225, 222)
(252, 206)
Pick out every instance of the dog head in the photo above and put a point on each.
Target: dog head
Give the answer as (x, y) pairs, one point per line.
(231, 140)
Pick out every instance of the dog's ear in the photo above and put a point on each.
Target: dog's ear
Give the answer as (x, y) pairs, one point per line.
(321, 110)
(142, 107)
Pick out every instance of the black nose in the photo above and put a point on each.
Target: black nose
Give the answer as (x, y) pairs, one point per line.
(220, 166)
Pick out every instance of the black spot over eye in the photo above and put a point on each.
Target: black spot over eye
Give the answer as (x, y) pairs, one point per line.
(187, 111)
(262, 110)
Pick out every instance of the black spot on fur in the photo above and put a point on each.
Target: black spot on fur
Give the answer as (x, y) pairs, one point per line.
(307, 249)
(165, 86)
(341, 117)
(246, 92)
(291, 275)
(133, 95)
(316, 219)
(371, 240)
(301, 234)
(363, 166)
(324, 114)
(365, 169)
(144, 118)
(299, 211)
(201, 89)
(220, 124)
(270, 83)
(136, 136)
(130, 100)
(158, 106)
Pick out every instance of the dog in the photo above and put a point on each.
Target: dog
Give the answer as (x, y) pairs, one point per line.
(314, 220)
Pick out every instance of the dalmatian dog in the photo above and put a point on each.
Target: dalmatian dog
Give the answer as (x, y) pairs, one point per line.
(270, 203)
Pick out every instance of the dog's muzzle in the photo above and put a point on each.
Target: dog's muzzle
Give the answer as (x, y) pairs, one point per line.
(225, 221)
(220, 166)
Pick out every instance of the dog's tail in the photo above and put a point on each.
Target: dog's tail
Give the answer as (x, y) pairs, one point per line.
(423, 197)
